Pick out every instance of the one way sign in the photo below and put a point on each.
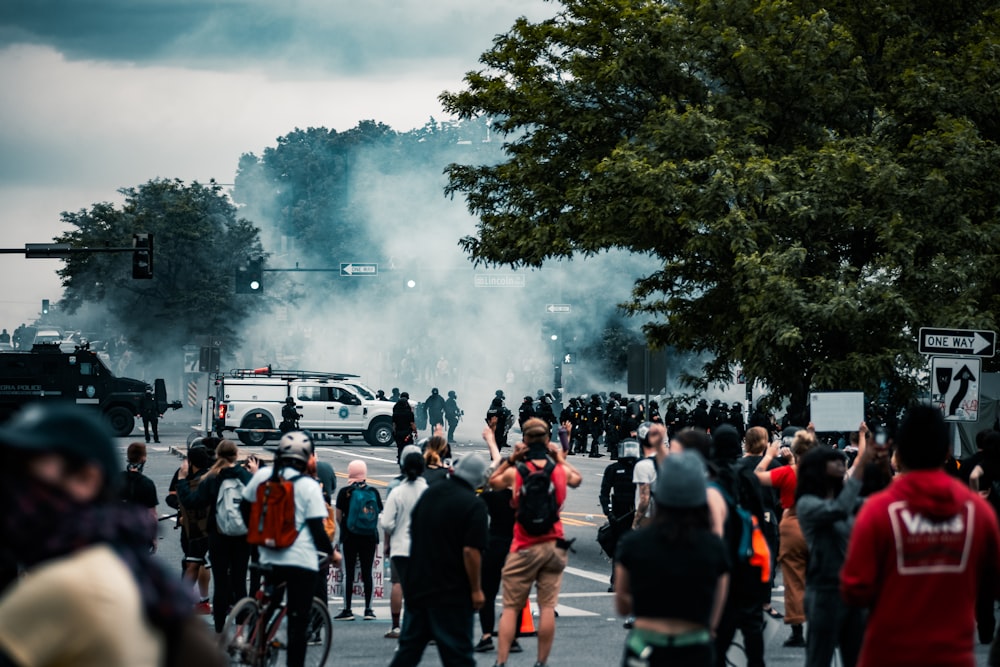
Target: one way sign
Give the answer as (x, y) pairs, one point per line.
(958, 341)
(955, 387)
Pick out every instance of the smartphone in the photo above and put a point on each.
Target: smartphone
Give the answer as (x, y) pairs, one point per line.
(881, 438)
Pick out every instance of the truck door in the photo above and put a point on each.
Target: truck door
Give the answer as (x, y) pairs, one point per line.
(345, 411)
(310, 403)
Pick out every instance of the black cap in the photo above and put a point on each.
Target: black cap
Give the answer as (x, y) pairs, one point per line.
(67, 429)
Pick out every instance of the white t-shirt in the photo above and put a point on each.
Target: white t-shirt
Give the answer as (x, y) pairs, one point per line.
(308, 505)
(395, 518)
(644, 472)
(84, 610)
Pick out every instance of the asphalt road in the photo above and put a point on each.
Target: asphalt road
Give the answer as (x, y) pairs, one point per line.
(588, 630)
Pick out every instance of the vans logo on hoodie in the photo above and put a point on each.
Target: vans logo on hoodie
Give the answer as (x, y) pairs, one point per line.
(927, 545)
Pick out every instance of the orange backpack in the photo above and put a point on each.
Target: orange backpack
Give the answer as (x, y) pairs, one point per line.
(272, 515)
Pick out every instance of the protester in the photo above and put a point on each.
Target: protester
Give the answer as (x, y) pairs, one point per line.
(918, 555)
(672, 574)
(793, 554)
(358, 506)
(826, 505)
(194, 524)
(230, 554)
(94, 596)
(540, 558)
(755, 442)
(644, 472)
(441, 581)
(436, 456)
(136, 488)
(296, 566)
(395, 522)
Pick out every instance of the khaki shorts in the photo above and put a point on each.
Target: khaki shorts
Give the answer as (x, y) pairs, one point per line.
(542, 564)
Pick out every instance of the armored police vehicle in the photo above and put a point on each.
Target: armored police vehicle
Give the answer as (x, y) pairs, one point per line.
(48, 373)
(249, 403)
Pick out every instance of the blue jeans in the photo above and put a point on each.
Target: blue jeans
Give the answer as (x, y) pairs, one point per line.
(449, 627)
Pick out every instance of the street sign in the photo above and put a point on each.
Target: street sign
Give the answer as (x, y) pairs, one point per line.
(955, 387)
(352, 269)
(498, 280)
(558, 308)
(958, 341)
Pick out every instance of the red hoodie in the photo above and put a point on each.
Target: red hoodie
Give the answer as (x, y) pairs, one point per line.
(919, 553)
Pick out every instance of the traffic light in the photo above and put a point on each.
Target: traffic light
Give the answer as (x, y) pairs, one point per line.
(45, 306)
(142, 256)
(250, 278)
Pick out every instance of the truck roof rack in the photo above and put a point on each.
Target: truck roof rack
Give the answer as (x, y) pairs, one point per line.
(285, 374)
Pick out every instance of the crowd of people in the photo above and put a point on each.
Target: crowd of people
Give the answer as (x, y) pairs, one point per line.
(873, 541)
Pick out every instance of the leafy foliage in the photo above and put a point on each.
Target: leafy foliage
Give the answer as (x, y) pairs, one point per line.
(817, 177)
(198, 243)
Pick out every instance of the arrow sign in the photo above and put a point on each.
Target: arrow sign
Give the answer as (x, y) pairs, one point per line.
(558, 308)
(958, 341)
(955, 387)
(354, 269)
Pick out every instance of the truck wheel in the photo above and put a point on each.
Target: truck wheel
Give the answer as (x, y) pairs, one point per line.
(255, 439)
(122, 421)
(380, 433)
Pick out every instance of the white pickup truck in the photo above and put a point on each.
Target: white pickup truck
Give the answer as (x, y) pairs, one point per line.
(249, 402)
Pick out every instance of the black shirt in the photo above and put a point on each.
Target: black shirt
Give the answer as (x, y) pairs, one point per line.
(138, 489)
(402, 416)
(498, 505)
(674, 580)
(447, 518)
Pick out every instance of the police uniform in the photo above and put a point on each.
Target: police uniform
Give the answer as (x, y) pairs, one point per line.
(149, 411)
(617, 495)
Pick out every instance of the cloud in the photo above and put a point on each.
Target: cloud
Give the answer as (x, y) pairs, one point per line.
(304, 36)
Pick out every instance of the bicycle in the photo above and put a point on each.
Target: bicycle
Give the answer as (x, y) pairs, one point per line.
(256, 632)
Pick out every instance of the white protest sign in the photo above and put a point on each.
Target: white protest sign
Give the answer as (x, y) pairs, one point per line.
(837, 410)
(335, 582)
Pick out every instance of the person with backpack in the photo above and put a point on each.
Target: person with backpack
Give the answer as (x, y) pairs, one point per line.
(194, 524)
(539, 475)
(93, 595)
(284, 512)
(748, 549)
(672, 574)
(395, 522)
(826, 504)
(651, 440)
(220, 491)
(358, 507)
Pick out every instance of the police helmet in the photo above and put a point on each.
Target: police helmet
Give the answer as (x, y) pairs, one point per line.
(295, 446)
(434, 391)
(289, 400)
(595, 398)
(629, 449)
(452, 394)
(643, 433)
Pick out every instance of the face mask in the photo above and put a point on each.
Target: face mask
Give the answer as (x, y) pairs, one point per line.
(136, 467)
(31, 513)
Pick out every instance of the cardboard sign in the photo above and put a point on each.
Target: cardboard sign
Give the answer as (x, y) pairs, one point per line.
(837, 411)
(380, 579)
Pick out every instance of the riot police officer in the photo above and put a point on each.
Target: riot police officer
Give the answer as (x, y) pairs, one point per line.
(289, 416)
(595, 425)
(452, 414)
(434, 405)
(613, 427)
(526, 411)
(498, 417)
(617, 495)
(149, 411)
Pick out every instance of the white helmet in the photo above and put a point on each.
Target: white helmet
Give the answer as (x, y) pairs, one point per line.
(296, 445)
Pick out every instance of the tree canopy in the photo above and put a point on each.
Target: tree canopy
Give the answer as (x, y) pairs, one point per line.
(817, 177)
(198, 243)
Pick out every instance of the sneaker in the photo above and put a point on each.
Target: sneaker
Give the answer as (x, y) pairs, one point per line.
(392, 634)
(540, 664)
(484, 645)
(203, 607)
(629, 623)
(515, 647)
(346, 615)
(369, 615)
(795, 641)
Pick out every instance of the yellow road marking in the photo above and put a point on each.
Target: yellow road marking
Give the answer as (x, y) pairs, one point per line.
(373, 482)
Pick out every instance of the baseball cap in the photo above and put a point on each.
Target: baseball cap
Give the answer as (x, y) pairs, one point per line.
(681, 482)
(66, 429)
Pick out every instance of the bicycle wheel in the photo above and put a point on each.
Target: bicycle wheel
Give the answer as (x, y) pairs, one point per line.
(238, 638)
(320, 636)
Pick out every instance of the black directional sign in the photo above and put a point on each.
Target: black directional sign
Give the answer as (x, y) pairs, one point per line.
(958, 341)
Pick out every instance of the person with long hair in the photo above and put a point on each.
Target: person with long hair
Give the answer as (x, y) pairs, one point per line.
(395, 523)
(793, 554)
(230, 553)
(436, 453)
(826, 505)
(672, 574)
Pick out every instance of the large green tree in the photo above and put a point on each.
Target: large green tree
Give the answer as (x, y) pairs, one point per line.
(818, 178)
(198, 243)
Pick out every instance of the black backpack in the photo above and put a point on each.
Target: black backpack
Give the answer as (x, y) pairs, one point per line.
(537, 509)
(749, 581)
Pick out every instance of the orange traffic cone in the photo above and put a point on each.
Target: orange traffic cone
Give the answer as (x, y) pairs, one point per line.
(527, 628)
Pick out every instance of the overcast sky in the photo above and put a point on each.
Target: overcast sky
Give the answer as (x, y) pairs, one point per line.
(102, 94)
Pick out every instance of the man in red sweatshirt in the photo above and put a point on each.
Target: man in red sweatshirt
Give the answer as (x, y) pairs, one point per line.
(919, 552)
